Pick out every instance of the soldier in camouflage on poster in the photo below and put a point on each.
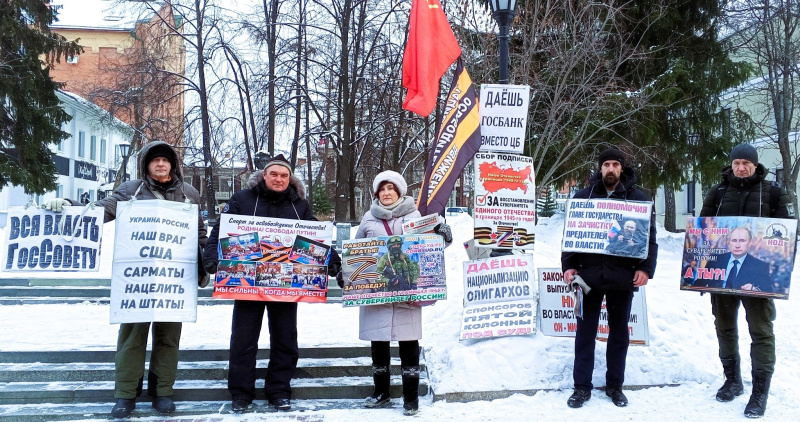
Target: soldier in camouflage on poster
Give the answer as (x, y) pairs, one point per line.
(396, 268)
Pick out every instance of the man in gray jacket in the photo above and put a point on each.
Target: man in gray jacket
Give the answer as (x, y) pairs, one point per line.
(159, 178)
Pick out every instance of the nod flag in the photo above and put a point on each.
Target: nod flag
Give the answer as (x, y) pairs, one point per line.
(430, 50)
(456, 143)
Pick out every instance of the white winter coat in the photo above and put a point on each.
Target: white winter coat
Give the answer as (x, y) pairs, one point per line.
(396, 321)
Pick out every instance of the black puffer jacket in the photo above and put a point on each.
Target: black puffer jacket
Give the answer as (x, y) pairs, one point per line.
(745, 196)
(261, 201)
(605, 271)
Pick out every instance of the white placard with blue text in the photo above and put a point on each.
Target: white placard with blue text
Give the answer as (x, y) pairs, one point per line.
(504, 117)
(154, 277)
(607, 227)
(44, 241)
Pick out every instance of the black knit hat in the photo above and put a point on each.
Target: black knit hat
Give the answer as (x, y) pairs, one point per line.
(744, 152)
(610, 154)
(163, 151)
(279, 160)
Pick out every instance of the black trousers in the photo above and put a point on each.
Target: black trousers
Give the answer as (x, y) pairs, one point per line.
(618, 305)
(246, 327)
(409, 353)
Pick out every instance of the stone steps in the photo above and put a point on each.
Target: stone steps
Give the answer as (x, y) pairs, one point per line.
(80, 384)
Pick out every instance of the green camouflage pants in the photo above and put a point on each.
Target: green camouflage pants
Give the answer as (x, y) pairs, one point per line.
(129, 361)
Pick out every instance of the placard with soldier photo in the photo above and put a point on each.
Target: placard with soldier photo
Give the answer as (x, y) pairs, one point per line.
(391, 269)
(749, 256)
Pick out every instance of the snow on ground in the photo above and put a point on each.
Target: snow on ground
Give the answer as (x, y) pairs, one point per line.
(682, 351)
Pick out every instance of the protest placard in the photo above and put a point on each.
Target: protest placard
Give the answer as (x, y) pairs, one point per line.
(557, 316)
(607, 227)
(291, 266)
(421, 225)
(505, 204)
(498, 297)
(504, 117)
(389, 269)
(154, 276)
(44, 241)
(750, 256)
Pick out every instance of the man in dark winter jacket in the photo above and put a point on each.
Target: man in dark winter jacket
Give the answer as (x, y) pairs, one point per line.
(612, 277)
(276, 193)
(744, 192)
(159, 178)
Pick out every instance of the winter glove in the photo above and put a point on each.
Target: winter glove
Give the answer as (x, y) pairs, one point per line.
(340, 279)
(56, 205)
(334, 268)
(210, 266)
(444, 230)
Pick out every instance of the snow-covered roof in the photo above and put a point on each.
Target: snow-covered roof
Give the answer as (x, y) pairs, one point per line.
(91, 107)
(113, 15)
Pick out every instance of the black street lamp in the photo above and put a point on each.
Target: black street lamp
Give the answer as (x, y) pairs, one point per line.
(124, 150)
(503, 12)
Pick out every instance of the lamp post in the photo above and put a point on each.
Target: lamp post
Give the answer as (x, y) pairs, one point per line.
(503, 12)
(124, 151)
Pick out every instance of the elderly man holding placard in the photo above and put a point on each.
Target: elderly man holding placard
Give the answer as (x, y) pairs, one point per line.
(160, 178)
(612, 277)
(745, 192)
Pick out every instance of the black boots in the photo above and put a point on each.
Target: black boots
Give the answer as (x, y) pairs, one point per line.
(410, 390)
(758, 399)
(732, 387)
(617, 397)
(380, 394)
(578, 398)
(123, 408)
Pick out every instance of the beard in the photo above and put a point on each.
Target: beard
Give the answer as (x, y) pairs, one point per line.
(610, 180)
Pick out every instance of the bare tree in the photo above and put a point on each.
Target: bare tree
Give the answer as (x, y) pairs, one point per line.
(767, 34)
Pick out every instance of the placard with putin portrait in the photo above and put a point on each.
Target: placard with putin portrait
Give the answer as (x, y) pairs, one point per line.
(748, 256)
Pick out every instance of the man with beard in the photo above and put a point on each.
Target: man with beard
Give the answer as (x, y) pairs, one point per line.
(612, 277)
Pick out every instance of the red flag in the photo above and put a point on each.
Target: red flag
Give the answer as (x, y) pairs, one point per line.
(430, 50)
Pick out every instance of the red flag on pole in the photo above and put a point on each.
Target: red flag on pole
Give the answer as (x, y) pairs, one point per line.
(430, 50)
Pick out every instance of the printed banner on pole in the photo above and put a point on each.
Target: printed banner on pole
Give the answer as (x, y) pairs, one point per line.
(607, 227)
(154, 276)
(748, 256)
(273, 259)
(498, 297)
(505, 204)
(504, 117)
(44, 241)
(389, 269)
(557, 316)
(458, 138)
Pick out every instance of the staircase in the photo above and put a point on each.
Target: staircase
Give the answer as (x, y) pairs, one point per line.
(71, 385)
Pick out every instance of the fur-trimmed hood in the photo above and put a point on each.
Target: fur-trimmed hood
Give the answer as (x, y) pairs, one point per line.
(258, 176)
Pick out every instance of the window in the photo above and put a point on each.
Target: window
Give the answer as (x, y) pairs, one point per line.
(93, 148)
(80, 192)
(102, 150)
(690, 200)
(81, 144)
(224, 184)
(91, 195)
(59, 191)
(778, 177)
(60, 145)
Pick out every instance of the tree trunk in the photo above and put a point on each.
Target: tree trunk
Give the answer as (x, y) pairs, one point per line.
(669, 209)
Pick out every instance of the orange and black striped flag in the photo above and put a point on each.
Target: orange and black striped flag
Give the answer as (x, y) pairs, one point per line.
(456, 143)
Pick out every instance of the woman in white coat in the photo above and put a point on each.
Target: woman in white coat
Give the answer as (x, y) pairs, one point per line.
(400, 322)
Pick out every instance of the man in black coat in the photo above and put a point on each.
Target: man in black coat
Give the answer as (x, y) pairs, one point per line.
(612, 277)
(744, 192)
(276, 193)
(742, 270)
